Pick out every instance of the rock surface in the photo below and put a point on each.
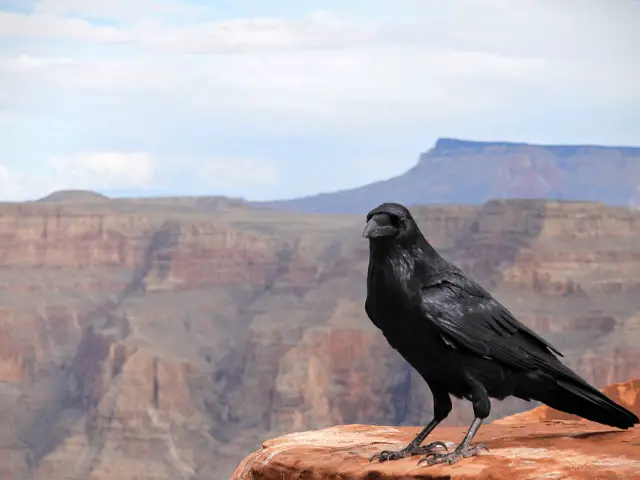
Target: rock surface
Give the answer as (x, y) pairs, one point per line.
(186, 330)
(548, 450)
(540, 443)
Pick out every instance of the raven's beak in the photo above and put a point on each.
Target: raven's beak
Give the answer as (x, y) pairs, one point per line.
(375, 230)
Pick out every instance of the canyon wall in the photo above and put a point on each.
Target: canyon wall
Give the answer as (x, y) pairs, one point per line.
(164, 339)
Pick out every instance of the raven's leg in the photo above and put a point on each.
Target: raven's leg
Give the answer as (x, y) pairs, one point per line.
(462, 451)
(481, 410)
(414, 447)
(441, 409)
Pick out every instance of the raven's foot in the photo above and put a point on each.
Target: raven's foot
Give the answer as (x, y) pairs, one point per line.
(458, 454)
(408, 451)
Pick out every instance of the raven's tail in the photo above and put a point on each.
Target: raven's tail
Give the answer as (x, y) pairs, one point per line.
(587, 402)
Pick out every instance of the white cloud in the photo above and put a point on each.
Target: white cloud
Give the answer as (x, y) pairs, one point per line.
(103, 170)
(253, 35)
(90, 74)
(287, 90)
(435, 68)
(319, 30)
(118, 9)
(27, 61)
(47, 25)
(324, 67)
(232, 173)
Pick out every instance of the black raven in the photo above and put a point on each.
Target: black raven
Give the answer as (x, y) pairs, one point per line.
(460, 339)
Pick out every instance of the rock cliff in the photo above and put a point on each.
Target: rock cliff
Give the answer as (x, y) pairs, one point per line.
(500, 170)
(185, 331)
(541, 443)
(555, 450)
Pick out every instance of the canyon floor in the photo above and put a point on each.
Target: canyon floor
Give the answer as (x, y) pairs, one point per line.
(167, 338)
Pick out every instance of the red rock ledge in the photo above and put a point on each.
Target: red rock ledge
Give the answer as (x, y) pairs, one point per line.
(553, 449)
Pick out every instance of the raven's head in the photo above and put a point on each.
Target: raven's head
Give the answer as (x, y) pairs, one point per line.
(388, 222)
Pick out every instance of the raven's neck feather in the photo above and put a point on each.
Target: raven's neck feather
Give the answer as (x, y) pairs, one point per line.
(431, 263)
(418, 251)
(428, 252)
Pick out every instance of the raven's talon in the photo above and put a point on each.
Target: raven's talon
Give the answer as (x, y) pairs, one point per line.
(433, 458)
(475, 450)
(429, 448)
(384, 455)
(409, 451)
(429, 455)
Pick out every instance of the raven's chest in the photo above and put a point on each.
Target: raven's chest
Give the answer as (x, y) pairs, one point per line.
(391, 288)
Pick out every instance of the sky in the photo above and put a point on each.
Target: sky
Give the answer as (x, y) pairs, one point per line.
(285, 98)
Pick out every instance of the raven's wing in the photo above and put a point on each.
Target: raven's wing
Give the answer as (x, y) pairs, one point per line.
(469, 318)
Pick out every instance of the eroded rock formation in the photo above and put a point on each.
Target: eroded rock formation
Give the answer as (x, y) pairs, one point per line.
(470, 172)
(556, 450)
(542, 443)
(186, 331)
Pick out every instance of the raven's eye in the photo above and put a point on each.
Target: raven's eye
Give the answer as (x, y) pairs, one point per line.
(395, 221)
